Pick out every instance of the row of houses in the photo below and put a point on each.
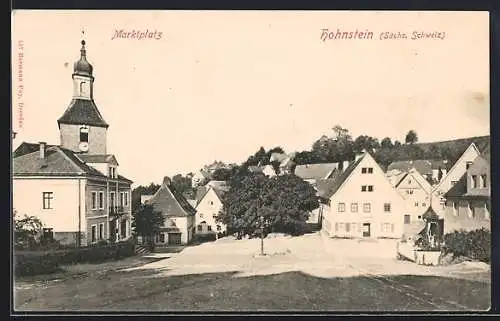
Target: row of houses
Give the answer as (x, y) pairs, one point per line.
(360, 199)
(77, 191)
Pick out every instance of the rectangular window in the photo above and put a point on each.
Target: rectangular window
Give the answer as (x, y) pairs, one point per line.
(354, 207)
(112, 199)
(94, 200)
(101, 200)
(199, 227)
(101, 231)
(370, 170)
(363, 188)
(370, 188)
(407, 219)
(416, 204)
(347, 227)
(363, 170)
(341, 207)
(94, 233)
(47, 200)
(162, 238)
(209, 227)
(387, 207)
(468, 165)
(126, 198)
(366, 207)
(219, 228)
(122, 201)
(424, 205)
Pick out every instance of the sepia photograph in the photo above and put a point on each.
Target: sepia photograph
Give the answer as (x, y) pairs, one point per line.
(250, 161)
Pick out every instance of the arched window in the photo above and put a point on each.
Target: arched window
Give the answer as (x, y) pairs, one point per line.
(84, 134)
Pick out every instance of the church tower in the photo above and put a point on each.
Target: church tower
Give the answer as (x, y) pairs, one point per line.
(82, 128)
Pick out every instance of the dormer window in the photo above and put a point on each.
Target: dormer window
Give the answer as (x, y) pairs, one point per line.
(112, 172)
(84, 134)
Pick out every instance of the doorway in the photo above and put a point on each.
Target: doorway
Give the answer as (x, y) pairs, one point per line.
(366, 229)
(174, 238)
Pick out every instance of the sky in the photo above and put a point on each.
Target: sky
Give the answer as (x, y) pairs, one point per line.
(217, 85)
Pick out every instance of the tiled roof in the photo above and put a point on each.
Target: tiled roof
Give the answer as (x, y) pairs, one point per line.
(459, 189)
(170, 202)
(26, 148)
(343, 176)
(423, 166)
(58, 161)
(82, 111)
(315, 171)
(200, 193)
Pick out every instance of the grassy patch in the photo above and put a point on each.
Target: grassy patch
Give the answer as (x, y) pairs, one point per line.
(294, 291)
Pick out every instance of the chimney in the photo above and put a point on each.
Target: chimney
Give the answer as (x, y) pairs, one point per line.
(166, 181)
(42, 149)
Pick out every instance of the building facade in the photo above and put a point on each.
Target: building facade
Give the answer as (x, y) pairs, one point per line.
(363, 203)
(74, 187)
(452, 177)
(178, 227)
(468, 202)
(416, 191)
(207, 210)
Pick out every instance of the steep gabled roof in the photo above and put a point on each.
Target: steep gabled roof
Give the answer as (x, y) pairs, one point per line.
(170, 202)
(343, 176)
(459, 189)
(82, 112)
(315, 171)
(473, 146)
(417, 176)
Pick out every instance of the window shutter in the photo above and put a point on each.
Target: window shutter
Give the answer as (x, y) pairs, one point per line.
(336, 227)
(392, 228)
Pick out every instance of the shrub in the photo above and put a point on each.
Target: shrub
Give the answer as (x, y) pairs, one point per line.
(475, 244)
(39, 262)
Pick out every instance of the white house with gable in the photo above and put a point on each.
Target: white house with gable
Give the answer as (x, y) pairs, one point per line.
(207, 210)
(416, 191)
(363, 203)
(452, 177)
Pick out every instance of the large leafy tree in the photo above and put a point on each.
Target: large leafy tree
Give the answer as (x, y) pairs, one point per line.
(147, 221)
(411, 137)
(142, 190)
(283, 201)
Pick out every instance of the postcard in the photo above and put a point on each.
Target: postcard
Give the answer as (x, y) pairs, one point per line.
(250, 161)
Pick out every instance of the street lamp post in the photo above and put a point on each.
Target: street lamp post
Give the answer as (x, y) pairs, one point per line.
(262, 226)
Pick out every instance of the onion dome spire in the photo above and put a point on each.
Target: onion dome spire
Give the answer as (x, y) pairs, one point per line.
(83, 67)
